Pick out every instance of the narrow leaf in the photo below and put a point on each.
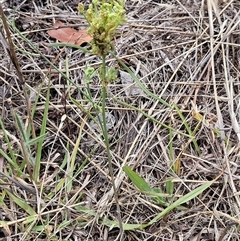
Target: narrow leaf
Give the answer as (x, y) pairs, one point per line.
(35, 140)
(139, 182)
(194, 193)
(21, 203)
(42, 133)
(169, 187)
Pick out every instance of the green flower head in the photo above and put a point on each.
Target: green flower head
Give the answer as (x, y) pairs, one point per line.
(103, 18)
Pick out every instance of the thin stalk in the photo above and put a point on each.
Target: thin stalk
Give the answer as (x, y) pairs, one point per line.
(106, 139)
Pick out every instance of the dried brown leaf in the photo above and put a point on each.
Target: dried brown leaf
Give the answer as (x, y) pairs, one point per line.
(69, 35)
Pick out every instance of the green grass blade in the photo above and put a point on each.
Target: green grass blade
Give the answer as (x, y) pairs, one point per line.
(30, 219)
(36, 140)
(21, 128)
(148, 116)
(10, 161)
(158, 197)
(42, 133)
(72, 161)
(25, 148)
(187, 128)
(34, 107)
(194, 193)
(169, 186)
(171, 150)
(21, 203)
(139, 182)
(177, 203)
(142, 185)
(12, 158)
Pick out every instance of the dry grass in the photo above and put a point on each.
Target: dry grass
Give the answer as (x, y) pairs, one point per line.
(187, 53)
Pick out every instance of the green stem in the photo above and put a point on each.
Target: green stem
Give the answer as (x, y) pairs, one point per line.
(106, 139)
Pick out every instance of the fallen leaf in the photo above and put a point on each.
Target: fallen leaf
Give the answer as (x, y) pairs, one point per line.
(69, 35)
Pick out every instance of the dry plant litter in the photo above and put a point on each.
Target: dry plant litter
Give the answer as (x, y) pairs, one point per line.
(179, 133)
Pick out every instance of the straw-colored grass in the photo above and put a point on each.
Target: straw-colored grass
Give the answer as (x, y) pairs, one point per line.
(174, 145)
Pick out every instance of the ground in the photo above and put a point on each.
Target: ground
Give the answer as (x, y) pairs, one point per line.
(177, 125)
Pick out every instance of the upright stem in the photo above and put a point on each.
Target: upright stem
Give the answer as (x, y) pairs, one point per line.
(106, 139)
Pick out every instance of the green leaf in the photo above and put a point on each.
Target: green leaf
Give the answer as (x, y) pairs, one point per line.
(169, 187)
(72, 167)
(156, 194)
(194, 193)
(139, 182)
(182, 200)
(30, 219)
(13, 158)
(10, 160)
(158, 197)
(42, 134)
(21, 203)
(20, 126)
(36, 140)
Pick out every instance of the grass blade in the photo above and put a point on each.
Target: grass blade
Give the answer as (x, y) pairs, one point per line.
(194, 193)
(187, 128)
(139, 182)
(21, 203)
(42, 133)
